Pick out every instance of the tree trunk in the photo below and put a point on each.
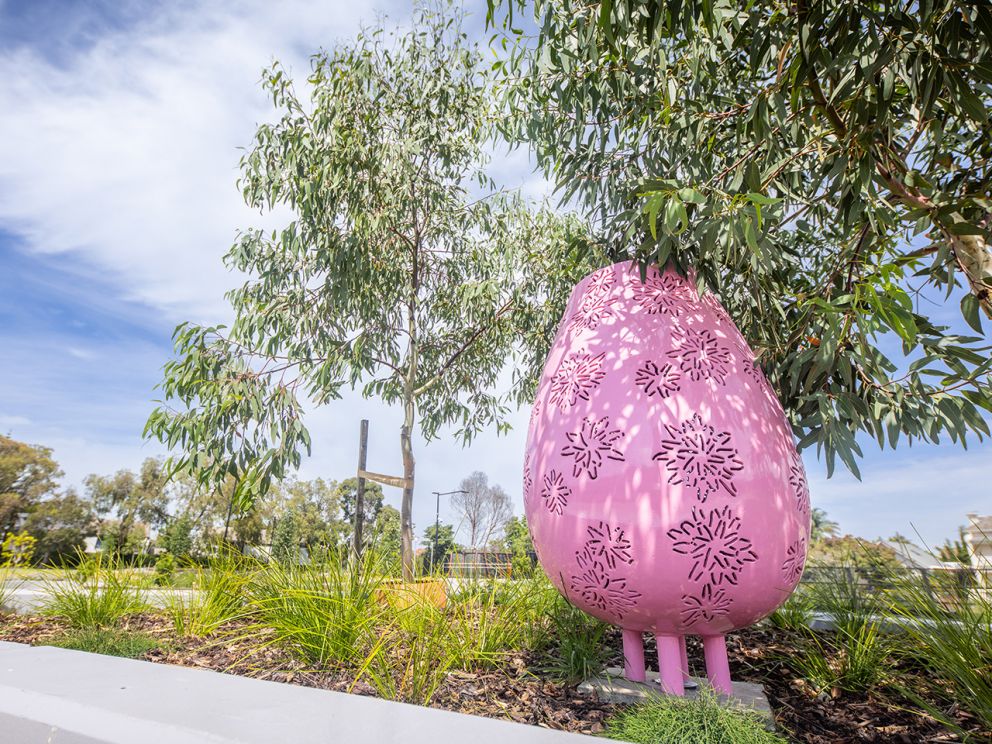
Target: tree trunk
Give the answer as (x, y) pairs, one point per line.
(406, 508)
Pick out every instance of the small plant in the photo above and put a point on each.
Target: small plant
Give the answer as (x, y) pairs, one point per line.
(165, 569)
(220, 597)
(107, 641)
(96, 598)
(794, 614)
(700, 720)
(856, 656)
(7, 586)
(325, 611)
(17, 549)
(580, 649)
(954, 644)
(412, 657)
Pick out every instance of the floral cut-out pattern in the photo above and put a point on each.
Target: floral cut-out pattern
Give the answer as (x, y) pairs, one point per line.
(597, 583)
(591, 445)
(701, 457)
(712, 539)
(576, 378)
(700, 355)
(666, 294)
(555, 492)
(658, 380)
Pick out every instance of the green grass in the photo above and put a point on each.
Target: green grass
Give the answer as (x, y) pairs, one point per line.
(578, 646)
(857, 655)
(107, 641)
(99, 596)
(325, 612)
(701, 720)
(951, 638)
(8, 583)
(220, 597)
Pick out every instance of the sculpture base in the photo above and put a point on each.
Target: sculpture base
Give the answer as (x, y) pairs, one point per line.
(613, 687)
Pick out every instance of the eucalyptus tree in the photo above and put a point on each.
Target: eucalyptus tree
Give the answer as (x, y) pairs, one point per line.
(404, 272)
(824, 166)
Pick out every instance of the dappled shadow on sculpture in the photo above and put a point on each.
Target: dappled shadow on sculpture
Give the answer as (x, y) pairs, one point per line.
(661, 483)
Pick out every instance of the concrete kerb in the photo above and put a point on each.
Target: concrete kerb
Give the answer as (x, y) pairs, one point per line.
(57, 696)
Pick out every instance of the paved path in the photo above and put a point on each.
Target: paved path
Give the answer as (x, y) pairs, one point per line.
(29, 595)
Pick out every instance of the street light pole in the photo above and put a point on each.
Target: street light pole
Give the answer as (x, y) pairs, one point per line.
(437, 518)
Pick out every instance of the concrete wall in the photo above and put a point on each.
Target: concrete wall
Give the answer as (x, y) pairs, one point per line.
(55, 696)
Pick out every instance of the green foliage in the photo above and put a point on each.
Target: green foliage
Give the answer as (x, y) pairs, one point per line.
(580, 649)
(107, 641)
(440, 543)
(700, 720)
(220, 596)
(516, 536)
(387, 538)
(125, 501)
(406, 273)
(27, 474)
(795, 613)
(177, 537)
(165, 569)
(286, 539)
(17, 549)
(412, 656)
(7, 586)
(98, 596)
(325, 612)
(60, 523)
(824, 167)
(856, 656)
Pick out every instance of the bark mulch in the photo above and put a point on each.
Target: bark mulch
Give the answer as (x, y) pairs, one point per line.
(517, 692)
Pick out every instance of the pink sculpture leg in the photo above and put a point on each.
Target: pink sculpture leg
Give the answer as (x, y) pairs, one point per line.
(684, 657)
(670, 664)
(717, 666)
(633, 655)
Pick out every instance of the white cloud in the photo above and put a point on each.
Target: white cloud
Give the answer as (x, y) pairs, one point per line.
(924, 491)
(127, 154)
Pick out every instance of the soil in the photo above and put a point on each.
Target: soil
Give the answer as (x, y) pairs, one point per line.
(518, 692)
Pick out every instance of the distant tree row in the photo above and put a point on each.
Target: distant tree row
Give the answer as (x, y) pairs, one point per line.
(136, 514)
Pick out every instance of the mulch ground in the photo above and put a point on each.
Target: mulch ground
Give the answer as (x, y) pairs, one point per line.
(516, 692)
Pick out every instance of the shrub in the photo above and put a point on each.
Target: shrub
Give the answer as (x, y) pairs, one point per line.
(18, 549)
(700, 720)
(98, 596)
(165, 568)
(107, 641)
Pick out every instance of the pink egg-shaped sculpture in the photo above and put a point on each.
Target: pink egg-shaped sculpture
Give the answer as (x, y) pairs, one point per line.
(662, 487)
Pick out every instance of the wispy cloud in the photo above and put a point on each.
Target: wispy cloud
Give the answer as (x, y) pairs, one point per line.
(126, 153)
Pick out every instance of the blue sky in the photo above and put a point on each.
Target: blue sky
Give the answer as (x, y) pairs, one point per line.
(118, 157)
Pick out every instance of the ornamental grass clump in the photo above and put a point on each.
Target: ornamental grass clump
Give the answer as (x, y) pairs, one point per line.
(700, 720)
(218, 597)
(856, 656)
(950, 636)
(325, 612)
(412, 656)
(97, 597)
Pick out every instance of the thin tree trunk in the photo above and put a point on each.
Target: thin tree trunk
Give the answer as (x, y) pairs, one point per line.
(406, 508)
